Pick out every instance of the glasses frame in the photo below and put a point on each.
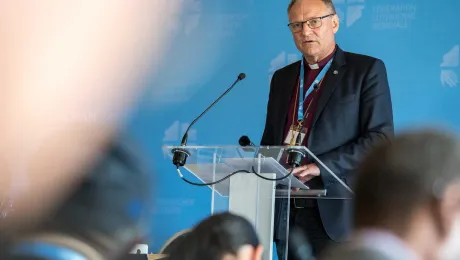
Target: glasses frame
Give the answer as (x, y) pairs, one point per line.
(308, 23)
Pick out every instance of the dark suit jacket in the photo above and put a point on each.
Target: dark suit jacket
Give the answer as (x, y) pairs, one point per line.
(353, 113)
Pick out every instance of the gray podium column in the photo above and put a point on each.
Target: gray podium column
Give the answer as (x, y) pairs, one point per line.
(254, 198)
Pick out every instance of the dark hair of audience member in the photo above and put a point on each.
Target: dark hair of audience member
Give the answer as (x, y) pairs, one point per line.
(397, 178)
(215, 237)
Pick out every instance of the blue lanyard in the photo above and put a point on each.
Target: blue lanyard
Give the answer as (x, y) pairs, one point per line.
(43, 250)
(310, 89)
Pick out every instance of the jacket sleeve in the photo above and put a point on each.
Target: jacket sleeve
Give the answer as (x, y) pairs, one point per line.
(376, 125)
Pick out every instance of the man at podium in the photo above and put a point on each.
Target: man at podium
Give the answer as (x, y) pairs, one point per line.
(340, 104)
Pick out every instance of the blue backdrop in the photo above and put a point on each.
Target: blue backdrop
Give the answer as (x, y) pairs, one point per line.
(215, 40)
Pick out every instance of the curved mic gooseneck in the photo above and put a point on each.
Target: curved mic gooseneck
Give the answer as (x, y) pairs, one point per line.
(180, 154)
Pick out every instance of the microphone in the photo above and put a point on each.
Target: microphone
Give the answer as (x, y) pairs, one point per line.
(245, 141)
(295, 156)
(180, 155)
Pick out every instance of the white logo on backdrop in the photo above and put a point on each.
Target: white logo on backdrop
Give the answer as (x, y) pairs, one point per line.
(190, 20)
(173, 134)
(172, 206)
(349, 11)
(450, 62)
(203, 39)
(393, 16)
(228, 23)
(280, 61)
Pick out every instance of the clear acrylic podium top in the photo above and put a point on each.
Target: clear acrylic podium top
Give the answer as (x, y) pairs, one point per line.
(212, 163)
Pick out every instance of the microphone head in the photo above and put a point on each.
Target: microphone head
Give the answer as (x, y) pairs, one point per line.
(244, 141)
(241, 76)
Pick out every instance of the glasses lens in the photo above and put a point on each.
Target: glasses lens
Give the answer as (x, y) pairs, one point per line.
(296, 27)
(314, 23)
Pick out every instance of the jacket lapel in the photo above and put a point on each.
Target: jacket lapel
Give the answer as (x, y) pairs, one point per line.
(330, 82)
(290, 78)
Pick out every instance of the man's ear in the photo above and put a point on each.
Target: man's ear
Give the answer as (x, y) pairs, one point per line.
(335, 23)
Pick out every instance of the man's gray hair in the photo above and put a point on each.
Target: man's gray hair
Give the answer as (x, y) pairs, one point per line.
(328, 3)
(399, 177)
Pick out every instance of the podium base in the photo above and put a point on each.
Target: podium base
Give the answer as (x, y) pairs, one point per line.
(253, 198)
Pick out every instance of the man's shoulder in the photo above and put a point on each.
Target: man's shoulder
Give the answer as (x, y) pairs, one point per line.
(290, 68)
(360, 59)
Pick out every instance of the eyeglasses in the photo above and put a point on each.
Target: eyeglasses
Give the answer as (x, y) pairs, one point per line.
(313, 23)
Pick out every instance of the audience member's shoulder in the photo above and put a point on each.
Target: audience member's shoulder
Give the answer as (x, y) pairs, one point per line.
(349, 252)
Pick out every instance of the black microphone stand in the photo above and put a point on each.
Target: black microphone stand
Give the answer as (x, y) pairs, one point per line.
(181, 154)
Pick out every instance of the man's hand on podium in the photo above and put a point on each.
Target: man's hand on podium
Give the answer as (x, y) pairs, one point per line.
(306, 172)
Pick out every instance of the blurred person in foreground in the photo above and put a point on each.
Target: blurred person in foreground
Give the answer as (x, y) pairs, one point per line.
(223, 236)
(103, 219)
(407, 203)
(60, 62)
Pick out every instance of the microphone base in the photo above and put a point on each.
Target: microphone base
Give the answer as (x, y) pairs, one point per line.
(180, 156)
(295, 157)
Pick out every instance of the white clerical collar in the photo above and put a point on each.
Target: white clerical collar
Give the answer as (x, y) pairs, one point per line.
(313, 66)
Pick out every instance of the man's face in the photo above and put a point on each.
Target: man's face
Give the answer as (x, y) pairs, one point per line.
(315, 42)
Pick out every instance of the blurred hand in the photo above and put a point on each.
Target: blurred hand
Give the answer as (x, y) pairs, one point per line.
(306, 172)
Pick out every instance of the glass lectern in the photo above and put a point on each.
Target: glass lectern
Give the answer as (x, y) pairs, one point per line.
(253, 180)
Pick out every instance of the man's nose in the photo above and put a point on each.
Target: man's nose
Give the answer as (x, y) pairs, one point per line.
(306, 30)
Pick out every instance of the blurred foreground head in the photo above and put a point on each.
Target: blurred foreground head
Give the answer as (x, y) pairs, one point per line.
(223, 236)
(103, 219)
(65, 63)
(411, 187)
